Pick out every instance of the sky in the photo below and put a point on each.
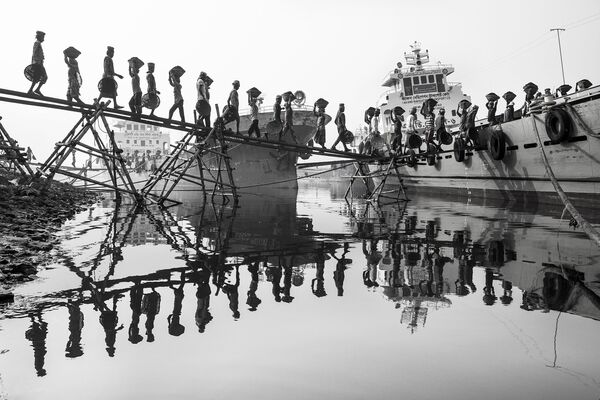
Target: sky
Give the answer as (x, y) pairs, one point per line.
(337, 50)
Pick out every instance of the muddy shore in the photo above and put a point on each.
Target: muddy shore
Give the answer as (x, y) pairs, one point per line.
(29, 221)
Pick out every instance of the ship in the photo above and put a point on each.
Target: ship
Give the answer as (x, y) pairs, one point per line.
(505, 159)
(256, 168)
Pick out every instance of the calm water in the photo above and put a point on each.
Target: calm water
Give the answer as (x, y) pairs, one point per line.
(309, 298)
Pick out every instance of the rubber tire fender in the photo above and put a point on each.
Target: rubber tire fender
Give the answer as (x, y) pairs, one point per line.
(431, 154)
(558, 125)
(459, 149)
(497, 145)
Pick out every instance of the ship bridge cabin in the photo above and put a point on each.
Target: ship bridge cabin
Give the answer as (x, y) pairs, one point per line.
(410, 85)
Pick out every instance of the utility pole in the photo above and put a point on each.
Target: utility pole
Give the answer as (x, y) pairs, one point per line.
(558, 30)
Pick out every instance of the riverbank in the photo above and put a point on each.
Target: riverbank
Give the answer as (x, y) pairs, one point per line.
(29, 220)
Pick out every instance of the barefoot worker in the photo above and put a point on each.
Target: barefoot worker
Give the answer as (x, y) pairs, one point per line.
(108, 85)
(73, 75)
(36, 72)
(340, 122)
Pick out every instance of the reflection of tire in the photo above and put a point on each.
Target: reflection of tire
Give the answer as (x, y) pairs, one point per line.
(459, 149)
(496, 253)
(558, 125)
(411, 160)
(497, 145)
(431, 154)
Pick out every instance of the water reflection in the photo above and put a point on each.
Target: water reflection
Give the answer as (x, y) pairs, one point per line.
(419, 259)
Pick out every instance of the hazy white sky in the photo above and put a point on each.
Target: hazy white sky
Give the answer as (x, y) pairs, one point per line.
(338, 50)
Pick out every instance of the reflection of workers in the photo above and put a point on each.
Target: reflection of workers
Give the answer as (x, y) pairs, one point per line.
(234, 104)
(232, 292)
(36, 334)
(135, 303)
(340, 122)
(151, 307)
(110, 321)
(318, 283)
(373, 257)
(253, 301)
(175, 327)
(73, 348)
(203, 315)
(275, 275)
(489, 295)
(108, 84)
(340, 271)
(37, 59)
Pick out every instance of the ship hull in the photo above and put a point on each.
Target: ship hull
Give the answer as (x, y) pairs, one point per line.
(521, 173)
(257, 167)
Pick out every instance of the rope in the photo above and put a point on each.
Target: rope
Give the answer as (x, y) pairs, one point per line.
(297, 178)
(585, 226)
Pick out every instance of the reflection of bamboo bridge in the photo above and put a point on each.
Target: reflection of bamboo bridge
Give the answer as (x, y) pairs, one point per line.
(187, 155)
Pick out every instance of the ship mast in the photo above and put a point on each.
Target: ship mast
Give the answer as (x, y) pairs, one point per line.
(418, 57)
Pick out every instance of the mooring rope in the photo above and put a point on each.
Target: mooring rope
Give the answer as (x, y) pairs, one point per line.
(585, 225)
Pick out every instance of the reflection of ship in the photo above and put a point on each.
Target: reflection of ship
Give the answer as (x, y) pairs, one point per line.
(419, 260)
(506, 161)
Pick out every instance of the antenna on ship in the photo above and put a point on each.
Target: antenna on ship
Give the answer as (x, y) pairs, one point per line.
(418, 58)
(558, 30)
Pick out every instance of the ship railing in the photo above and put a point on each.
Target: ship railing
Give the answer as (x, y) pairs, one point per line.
(406, 69)
(266, 108)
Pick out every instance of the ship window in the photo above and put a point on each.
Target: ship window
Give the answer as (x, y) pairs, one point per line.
(439, 79)
(127, 141)
(128, 127)
(142, 143)
(416, 80)
(423, 79)
(134, 141)
(408, 90)
(454, 113)
(430, 78)
(136, 127)
(156, 141)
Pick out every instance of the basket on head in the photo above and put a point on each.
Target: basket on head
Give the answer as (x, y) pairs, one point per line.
(583, 84)
(288, 96)
(321, 103)
(492, 97)
(530, 87)
(136, 62)
(253, 92)
(427, 106)
(414, 141)
(509, 96)
(398, 110)
(71, 52)
(464, 103)
(564, 89)
(177, 71)
(150, 101)
(33, 72)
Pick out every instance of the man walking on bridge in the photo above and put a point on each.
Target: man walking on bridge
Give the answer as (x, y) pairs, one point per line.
(340, 121)
(37, 61)
(234, 104)
(108, 85)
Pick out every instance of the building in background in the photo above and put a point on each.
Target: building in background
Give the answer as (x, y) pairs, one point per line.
(146, 139)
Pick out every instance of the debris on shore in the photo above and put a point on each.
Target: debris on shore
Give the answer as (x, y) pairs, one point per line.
(29, 219)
